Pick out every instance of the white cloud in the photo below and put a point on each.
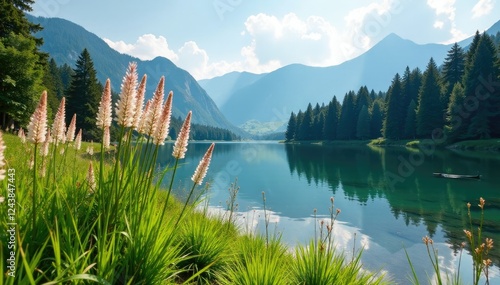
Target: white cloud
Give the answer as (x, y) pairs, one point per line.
(368, 24)
(438, 24)
(146, 47)
(443, 7)
(482, 8)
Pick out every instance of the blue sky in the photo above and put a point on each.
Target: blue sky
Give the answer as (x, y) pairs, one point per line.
(213, 37)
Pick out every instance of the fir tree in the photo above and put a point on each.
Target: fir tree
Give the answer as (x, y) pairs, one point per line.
(453, 70)
(347, 123)
(332, 120)
(290, 129)
(410, 121)
(363, 124)
(377, 118)
(429, 111)
(306, 125)
(456, 127)
(83, 96)
(393, 126)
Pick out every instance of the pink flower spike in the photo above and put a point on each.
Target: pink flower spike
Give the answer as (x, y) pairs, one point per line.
(105, 110)
(37, 127)
(70, 133)
(2, 158)
(164, 125)
(181, 143)
(21, 135)
(78, 140)
(139, 102)
(202, 168)
(142, 123)
(91, 178)
(154, 113)
(59, 125)
(125, 107)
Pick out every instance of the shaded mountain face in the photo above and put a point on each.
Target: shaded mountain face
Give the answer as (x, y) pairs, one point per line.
(271, 97)
(65, 41)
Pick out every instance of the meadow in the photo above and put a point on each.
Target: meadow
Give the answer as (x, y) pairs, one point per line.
(81, 212)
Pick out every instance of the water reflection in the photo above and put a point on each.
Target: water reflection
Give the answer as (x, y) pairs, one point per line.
(388, 196)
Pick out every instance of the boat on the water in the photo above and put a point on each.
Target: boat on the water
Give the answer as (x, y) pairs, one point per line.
(456, 176)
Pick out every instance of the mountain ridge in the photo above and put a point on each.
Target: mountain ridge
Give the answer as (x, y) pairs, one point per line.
(64, 41)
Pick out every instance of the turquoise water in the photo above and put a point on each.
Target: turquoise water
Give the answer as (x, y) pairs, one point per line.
(388, 198)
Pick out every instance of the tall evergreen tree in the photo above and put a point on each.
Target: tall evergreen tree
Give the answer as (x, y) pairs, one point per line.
(393, 123)
(453, 70)
(21, 63)
(429, 110)
(410, 121)
(483, 108)
(290, 129)
(377, 118)
(456, 127)
(362, 99)
(83, 96)
(363, 124)
(305, 127)
(347, 123)
(332, 120)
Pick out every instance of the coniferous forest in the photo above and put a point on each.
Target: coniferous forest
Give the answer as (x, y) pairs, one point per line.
(459, 100)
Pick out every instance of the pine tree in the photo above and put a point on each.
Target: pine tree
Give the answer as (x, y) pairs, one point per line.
(362, 99)
(83, 96)
(347, 123)
(332, 120)
(483, 108)
(377, 118)
(456, 127)
(305, 128)
(453, 70)
(363, 124)
(429, 110)
(410, 121)
(21, 63)
(290, 129)
(393, 127)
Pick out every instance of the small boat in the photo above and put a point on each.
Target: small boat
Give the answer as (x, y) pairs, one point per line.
(456, 176)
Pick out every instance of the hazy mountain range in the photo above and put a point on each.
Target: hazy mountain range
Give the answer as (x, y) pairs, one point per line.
(271, 97)
(259, 103)
(65, 41)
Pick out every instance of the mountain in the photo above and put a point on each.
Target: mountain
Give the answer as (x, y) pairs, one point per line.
(64, 41)
(220, 88)
(272, 96)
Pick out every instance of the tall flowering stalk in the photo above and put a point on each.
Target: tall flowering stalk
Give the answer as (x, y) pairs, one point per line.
(37, 127)
(202, 168)
(199, 174)
(181, 143)
(106, 138)
(70, 133)
(125, 107)
(21, 135)
(164, 124)
(78, 140)
(59, 125)
(105, 110)
(153, 115)
(37, 130)
(139, 102)
(91, 178)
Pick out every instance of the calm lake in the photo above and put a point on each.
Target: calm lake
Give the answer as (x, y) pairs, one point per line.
(388, 197)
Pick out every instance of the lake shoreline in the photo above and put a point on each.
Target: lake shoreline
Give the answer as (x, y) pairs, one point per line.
(492, 145)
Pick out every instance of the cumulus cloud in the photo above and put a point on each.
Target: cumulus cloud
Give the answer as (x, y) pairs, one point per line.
(446, 9)
(366, 25)
(482, 8)
(146, 47)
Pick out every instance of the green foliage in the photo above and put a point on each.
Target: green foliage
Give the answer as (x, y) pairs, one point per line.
(410, 121)
(20, 78)
(83, 96)
(347, 121)
(363, 124)
(430, 109)
(394, 116)
(453, 70)
(377, 118)
(332, 120)
(290, 129)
